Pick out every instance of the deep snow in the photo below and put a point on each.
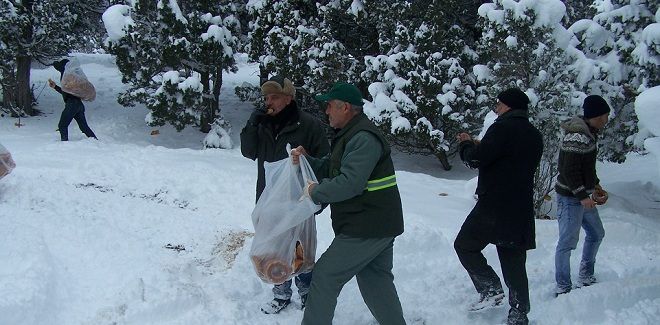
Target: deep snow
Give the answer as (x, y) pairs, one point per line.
(85, 226)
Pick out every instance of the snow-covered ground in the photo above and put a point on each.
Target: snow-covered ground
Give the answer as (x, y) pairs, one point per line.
(85, 228)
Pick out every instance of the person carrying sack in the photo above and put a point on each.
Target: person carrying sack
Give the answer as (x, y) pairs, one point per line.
(264, 138)
(73, 106)
(7, 164)
(358, 181)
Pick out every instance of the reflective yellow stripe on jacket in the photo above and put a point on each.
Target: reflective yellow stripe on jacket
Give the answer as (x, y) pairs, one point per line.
(382, 183)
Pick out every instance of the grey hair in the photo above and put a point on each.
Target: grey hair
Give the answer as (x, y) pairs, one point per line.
(355, 108)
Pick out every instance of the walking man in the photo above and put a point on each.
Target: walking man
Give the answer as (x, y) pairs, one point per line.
(578, 193)
(507, 158)
(264, 138)
(358, 181)
(74, 109)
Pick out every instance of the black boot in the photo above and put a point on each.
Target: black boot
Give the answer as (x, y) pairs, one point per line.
(517, 317)
(303, 301)
(275, 306)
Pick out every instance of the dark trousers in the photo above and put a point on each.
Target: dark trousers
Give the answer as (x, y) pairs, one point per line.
(73, 109)
(469, 245)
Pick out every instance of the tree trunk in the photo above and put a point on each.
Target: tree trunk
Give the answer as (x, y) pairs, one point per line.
(216, 92)
(442, 156)
(23, 89)
(206, 118)
(263, 75)
(23, 64)
(9, 92)
(211, 101)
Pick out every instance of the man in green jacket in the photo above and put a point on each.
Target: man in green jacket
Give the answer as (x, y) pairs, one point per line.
(358, 181)
(264, 138)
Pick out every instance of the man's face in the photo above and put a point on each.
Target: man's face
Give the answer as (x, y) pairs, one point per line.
(338, 113)
(501, 108)
(275, 103)
(598, 122)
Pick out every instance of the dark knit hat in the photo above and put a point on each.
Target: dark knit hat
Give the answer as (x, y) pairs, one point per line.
(278, 85)
(59, 66)
(342, 91)
(514, 98)
(595, 106)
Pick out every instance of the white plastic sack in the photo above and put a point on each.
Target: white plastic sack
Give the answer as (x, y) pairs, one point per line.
(284, 242)
(7, 164)
(75, 82)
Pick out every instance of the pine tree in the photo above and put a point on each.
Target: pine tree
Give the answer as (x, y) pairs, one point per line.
(422, 85)
(173, 57)
(30, 30)
(523, 43)
(577, 10)
(646, 53)
(88, 27)
(291, 38)
(615, 62)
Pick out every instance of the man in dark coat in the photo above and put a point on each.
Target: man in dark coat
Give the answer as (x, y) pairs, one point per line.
(73, 108)
(264, 138)
(507, 158)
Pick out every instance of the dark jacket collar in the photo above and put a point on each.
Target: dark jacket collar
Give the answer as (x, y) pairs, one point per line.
(514, 113)
(289, 115)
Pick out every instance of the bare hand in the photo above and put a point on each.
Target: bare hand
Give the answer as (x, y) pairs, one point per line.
(308, 189)
(295, 154)
(51, 83)
(588, 203)
(463, 137)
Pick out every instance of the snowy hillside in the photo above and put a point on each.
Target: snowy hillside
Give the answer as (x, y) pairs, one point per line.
(150, 229)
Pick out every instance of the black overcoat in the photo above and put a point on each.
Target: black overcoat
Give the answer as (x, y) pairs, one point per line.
(507, 158)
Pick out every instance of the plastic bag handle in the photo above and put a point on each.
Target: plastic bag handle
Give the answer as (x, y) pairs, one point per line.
(305, 167)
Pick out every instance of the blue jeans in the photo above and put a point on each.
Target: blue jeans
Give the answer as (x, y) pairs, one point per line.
(571, 216)
(283, 291)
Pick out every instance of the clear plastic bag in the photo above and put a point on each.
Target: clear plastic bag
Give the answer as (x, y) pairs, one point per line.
(7, 164)
(284, 242)
(75, 82)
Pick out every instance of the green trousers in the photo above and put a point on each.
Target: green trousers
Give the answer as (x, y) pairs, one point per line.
(370, 261)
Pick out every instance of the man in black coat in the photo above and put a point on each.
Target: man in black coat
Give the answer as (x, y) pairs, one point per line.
(264, 138)
(507, 158)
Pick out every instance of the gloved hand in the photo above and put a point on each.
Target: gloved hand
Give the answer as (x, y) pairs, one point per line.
(256, 117)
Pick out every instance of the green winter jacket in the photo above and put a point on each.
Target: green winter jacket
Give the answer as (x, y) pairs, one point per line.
(358, 181)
